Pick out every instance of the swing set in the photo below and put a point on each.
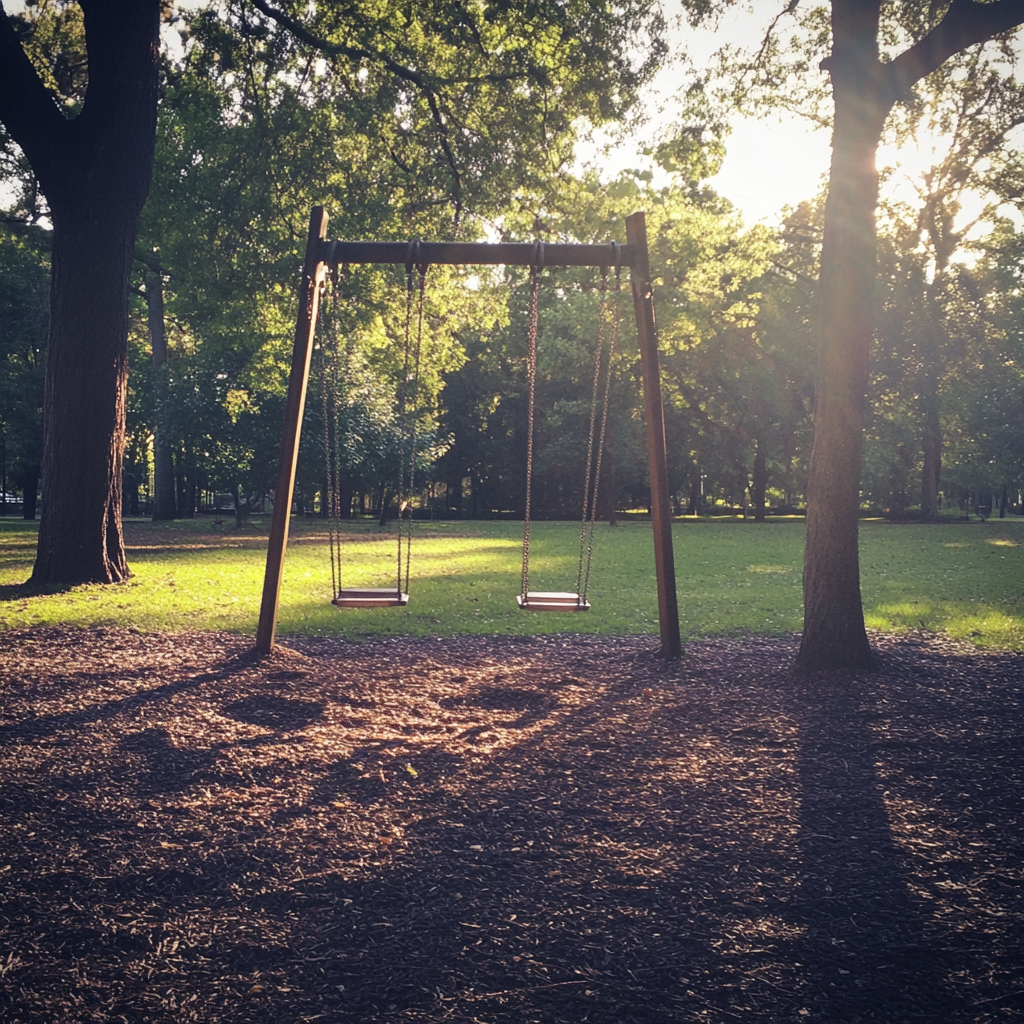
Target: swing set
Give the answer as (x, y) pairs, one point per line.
(324, 257)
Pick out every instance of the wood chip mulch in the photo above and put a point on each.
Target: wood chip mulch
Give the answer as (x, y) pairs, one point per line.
(507, 830)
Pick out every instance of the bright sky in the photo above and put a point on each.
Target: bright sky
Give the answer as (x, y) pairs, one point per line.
(771, 162)
(776, 161)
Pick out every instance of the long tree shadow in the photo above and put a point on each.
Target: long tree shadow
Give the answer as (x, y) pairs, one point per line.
(865, 938)
(23, 591)
(48, 724)
(672, 846)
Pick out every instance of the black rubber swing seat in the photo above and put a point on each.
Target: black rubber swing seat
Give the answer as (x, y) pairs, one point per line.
(370, 597)
(552, 601)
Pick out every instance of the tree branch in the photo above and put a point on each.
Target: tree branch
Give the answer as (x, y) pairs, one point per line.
(966, 22)
(301, 32)
(359, 53)
(149, 260)
(27, 109)
(399, 70)
(802, 278)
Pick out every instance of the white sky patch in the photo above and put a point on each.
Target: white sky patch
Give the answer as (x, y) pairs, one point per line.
(905, 169)
(770, 163)
(775, 161)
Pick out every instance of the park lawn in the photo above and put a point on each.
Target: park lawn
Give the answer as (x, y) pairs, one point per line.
(965, 579)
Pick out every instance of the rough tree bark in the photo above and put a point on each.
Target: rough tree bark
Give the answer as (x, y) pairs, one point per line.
(94, 171)
(864, 91)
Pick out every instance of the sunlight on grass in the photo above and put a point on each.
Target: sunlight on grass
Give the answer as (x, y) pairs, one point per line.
(732, 577)
(971, 587)
(993, 629)
(984, 626)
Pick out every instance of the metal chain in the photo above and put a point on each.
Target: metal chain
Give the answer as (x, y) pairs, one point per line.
(402, 402)
(412, 419)
(329, 406)
(531, 380)
(598, 352)
(604, 422)
(336, 383)
(326, 497)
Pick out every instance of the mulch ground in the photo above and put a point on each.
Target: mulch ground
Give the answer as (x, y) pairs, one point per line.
(556, 829)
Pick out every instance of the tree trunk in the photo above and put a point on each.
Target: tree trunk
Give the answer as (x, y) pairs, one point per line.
(694, 506)
(236, 493)
(179, 483)
(931, 467)
(30, 485)
(130, 489)
(86, 388)
(455, 490)
(931, 428)
(189, 502)
(834, 636)
(164, 504)
(899, 476)
(759, 483)
(611, 489)
(345, 496)
(94, 171)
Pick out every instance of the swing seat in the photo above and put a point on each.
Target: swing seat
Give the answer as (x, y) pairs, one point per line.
(370, 597)
(552, 601)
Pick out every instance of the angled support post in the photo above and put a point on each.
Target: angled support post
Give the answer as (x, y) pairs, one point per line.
(298, 380)
(657, 458)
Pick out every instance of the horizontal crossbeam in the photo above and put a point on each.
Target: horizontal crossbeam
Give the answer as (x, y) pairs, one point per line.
(517, 254)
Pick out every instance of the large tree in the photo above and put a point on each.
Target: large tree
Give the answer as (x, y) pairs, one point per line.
(864, 90)
(94, 170)
(875, 56)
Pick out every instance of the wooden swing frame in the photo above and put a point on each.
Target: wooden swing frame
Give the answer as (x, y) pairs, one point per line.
(322, 253)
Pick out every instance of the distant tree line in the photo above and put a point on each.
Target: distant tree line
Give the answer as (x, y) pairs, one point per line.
(735, 312)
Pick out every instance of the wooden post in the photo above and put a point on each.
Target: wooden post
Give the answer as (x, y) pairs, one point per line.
(302, 351)
(657, 459)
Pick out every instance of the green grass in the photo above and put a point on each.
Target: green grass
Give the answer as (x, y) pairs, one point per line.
(964, 579)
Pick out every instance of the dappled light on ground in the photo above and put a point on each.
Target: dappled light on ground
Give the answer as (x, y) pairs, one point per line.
(553, 830)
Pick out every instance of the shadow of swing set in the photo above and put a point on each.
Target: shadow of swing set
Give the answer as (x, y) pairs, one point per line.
(324, 257)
